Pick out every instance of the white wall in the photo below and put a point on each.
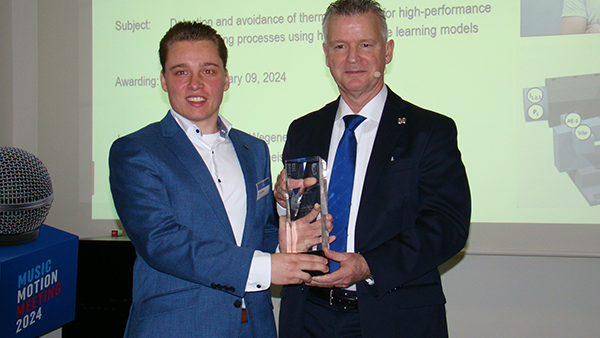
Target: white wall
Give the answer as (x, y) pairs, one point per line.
(18, 61)
(523, 296)
(42, 109)
(6, 57)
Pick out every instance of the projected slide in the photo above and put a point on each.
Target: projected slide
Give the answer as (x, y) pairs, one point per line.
(483, 63)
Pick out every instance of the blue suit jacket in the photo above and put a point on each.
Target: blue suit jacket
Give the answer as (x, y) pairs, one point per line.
(414, 215)
(189, 275)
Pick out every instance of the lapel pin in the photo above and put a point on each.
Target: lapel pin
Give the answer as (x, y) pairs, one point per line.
(245, 146)
(392, 159)
(402, 120)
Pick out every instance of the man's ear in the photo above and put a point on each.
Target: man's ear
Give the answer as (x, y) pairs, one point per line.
(389, 51)
(325, 51)
(227, 84)
(163, 82)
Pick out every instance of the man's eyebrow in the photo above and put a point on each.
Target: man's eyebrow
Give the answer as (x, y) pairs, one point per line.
(359, 41)
(181, 65)
(204, 64)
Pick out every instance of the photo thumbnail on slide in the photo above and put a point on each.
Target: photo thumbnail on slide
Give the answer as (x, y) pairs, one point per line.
(554, 17)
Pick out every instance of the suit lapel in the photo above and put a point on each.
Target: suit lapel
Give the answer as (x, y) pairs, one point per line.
(322, 136)
(322, 131)
(177, 141)
(391, 135)
(313, 139)
(247, 162)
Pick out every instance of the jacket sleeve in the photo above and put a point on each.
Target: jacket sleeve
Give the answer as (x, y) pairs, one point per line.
(172, 227)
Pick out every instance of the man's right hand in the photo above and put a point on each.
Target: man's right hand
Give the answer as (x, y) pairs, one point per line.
(303, 233)
(290, 268)
(279, 192)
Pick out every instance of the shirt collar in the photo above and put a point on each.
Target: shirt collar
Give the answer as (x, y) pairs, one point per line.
(372, 110)
(223, 125)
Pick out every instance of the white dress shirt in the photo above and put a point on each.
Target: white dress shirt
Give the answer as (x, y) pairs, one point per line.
(365, 138)
(220, 158)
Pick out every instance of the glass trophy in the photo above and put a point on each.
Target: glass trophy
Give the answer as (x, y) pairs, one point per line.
(306, 185)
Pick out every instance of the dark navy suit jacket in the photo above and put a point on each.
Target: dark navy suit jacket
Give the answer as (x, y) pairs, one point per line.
(414, 215)
(189, 275)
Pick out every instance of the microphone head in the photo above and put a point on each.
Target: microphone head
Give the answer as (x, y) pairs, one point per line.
(25, 196)
(377, 74)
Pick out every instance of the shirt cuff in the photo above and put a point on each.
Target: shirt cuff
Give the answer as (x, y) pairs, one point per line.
(280, 210)
(259, 278)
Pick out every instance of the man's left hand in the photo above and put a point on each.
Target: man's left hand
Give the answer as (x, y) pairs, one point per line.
(353, 269)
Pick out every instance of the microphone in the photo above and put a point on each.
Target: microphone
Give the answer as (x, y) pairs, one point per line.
(25, 196)
(377, 74)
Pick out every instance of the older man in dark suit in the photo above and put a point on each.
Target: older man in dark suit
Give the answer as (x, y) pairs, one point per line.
(408, 207)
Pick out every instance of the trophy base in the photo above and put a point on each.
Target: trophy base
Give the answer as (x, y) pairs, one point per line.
(318, 253)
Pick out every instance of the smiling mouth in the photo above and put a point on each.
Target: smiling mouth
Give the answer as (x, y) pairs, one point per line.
(196, 99)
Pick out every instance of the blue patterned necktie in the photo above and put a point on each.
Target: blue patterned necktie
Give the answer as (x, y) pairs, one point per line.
(340, 185)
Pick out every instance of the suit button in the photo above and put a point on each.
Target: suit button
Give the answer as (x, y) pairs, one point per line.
(237, 303)
(213, 285)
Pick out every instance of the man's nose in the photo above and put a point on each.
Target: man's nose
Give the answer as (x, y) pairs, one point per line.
(196, 82)
(353, 55)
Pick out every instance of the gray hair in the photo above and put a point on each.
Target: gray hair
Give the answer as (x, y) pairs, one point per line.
(354, 7)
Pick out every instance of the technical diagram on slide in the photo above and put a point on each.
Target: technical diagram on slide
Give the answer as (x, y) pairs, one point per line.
(571, 105)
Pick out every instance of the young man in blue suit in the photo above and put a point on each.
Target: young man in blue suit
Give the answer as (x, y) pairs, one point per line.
(409, 209)
(195, 198)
